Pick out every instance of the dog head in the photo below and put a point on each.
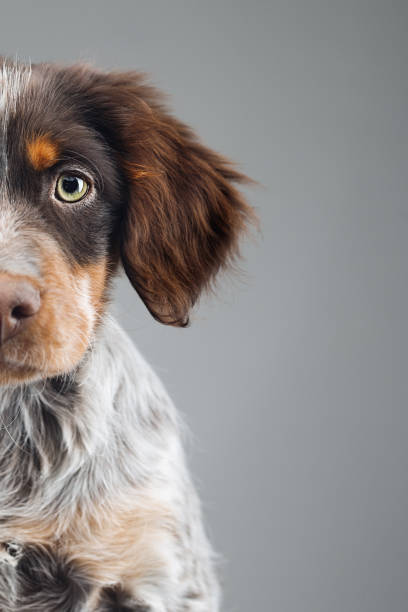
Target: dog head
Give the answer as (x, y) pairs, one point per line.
(94, 171)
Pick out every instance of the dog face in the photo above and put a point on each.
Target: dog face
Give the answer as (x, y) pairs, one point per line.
(94, 172)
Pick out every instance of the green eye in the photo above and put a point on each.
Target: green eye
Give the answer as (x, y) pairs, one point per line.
(71, 188)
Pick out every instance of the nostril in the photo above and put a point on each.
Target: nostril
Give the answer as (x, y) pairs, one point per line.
(22, 311)
(19, 301)
(26, 302)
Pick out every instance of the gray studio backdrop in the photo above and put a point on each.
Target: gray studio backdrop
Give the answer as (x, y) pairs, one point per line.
(294, 380)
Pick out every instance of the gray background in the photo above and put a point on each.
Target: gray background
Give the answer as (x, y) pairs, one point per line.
(294, 380)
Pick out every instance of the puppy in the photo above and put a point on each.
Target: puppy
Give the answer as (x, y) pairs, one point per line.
(97, 509)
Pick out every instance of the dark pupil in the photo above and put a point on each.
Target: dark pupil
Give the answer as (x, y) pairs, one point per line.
(70, 184)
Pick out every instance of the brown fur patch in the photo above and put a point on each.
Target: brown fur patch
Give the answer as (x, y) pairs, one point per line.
(98, 275)
(122, 544)
(42, 152)
(184, 215)
(138, 171)
(73, 301)
(59, 333)
(29, 532)
(113, 544)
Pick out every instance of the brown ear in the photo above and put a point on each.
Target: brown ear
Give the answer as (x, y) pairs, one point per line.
(183, 215)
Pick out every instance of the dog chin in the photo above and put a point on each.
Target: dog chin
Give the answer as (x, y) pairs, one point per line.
(20, 365)
(13, 373)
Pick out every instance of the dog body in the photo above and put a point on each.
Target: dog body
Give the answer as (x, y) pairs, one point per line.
(97, 510)
(113, 504)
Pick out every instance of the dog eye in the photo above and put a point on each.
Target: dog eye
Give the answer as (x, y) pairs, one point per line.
(71, 188)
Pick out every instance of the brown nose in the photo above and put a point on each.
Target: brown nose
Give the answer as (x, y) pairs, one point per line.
(19, 301)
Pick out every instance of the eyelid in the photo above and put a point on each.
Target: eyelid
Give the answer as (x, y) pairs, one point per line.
(90, 170)
(75, 171)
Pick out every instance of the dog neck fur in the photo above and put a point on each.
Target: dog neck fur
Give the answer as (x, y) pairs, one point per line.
(109, 423)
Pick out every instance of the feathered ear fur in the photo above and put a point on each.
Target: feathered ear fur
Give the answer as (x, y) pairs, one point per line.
(183, 214)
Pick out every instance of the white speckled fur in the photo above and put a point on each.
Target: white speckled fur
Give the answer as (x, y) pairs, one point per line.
(129, 434)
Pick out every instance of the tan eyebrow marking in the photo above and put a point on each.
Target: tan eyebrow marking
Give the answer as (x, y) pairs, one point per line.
(42, 152)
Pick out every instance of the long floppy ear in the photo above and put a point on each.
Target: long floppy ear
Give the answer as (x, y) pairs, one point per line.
(183, 215)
